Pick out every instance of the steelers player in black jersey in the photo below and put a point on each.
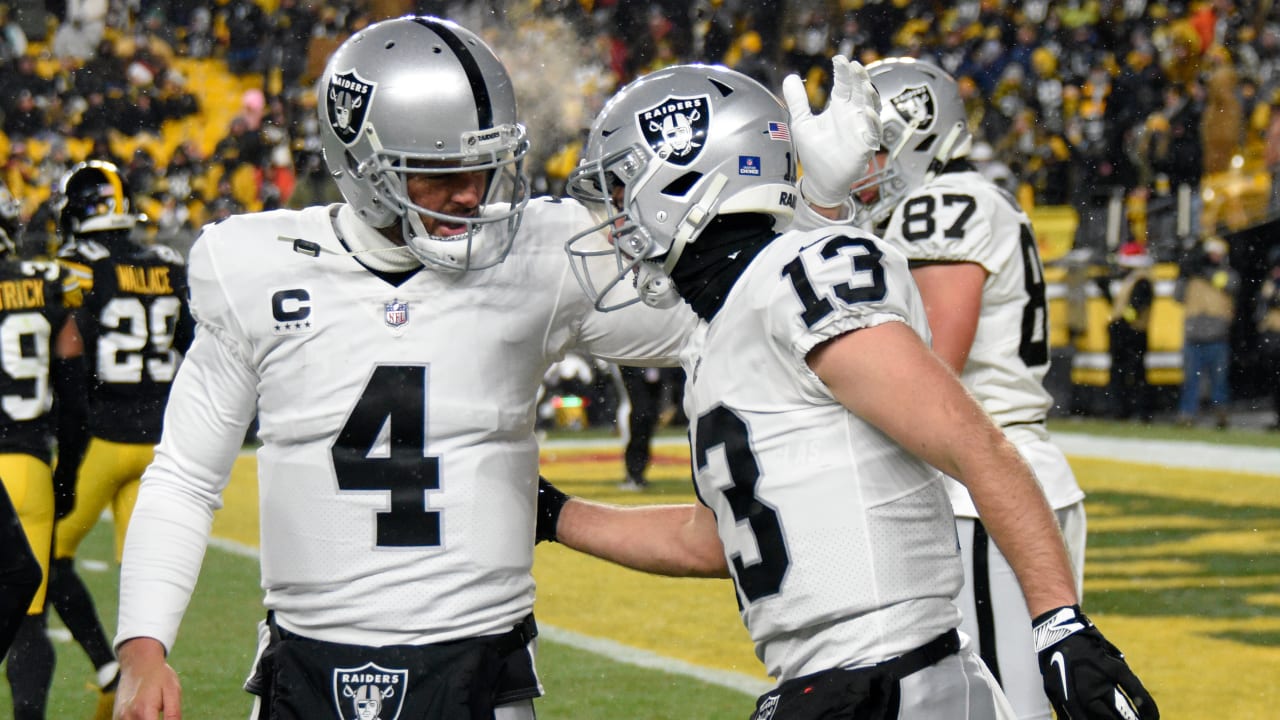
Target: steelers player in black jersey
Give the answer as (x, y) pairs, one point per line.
(135, 325)
(39, 349)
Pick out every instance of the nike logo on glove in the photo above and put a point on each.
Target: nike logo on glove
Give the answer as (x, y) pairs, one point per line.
(1057, 660)
(1124, 707)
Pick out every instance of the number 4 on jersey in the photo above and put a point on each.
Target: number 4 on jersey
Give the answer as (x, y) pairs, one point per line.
(394, 397)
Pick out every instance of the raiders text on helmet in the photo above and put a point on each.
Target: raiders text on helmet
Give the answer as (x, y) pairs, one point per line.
(924, 128)
(421, 95)
(668, 153)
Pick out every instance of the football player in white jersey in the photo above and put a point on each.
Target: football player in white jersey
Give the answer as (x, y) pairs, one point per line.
(973, 255)
(816, 411)
(391, 348)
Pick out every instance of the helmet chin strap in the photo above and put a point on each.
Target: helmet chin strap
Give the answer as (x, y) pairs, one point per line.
(655, 287)
(694, 220)
(420, 242)
(653, 281)
(943, 156)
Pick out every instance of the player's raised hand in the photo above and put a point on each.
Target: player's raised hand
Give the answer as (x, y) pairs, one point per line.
(1085, 676)
(836, 145)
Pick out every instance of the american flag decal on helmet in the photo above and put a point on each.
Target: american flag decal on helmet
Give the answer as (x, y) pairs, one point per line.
(779, 131)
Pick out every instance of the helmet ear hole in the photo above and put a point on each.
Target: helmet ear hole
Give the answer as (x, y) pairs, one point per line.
(681, 185)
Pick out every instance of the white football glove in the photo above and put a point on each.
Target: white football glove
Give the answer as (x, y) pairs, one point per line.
(836, 146)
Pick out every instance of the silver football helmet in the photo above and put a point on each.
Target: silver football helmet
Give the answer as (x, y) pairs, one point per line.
(668, 153)
(925, 127)
(425, 96)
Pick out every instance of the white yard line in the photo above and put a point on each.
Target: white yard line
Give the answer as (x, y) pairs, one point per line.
(1162, 453)
(653, 661)
(1165, 453)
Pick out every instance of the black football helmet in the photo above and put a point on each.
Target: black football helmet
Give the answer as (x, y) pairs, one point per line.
(93, 197)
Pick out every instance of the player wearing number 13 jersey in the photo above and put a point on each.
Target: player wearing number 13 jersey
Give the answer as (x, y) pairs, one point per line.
(816, 410)
(974, 256)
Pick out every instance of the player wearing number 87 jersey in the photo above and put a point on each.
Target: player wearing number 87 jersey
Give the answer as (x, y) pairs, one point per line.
(973, 255)
(135, 326)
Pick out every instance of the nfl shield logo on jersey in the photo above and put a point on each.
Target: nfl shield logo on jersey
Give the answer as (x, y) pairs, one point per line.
(346, 104)
(369, 692)
(916, 106)
(676, 127)
(767, 707)
(397, 313)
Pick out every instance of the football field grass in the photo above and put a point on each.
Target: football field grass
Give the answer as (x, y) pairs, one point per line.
(1183, 574)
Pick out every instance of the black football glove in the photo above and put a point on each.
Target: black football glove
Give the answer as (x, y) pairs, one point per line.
(1086, 677)
(550, 501)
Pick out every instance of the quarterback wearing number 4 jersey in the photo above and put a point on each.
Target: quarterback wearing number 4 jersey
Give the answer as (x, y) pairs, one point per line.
(392, 348)
(974, 256)
(396, 416)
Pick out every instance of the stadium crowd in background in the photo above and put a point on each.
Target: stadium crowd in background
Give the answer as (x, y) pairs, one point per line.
(209, 107)
(1039, 81)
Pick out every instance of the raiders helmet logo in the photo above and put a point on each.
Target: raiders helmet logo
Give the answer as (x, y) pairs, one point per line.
(346, 104)
(916, 106)
(767, 708)
(369, 692)
(676, 128)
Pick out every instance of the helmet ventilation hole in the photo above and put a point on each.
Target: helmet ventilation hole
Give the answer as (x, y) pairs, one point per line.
(681, 185)
(725, 90)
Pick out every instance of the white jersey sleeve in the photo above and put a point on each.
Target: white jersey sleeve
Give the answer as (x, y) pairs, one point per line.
(212, 400)
(841, 544)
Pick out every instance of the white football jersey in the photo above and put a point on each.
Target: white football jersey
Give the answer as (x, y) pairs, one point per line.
(398, 471)
(841, 543)
(964, 217)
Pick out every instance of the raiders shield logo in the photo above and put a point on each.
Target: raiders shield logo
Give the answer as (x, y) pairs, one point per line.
(369, 692)
(768, 706)
(346, 104)
(676, 128)
(916, 106)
